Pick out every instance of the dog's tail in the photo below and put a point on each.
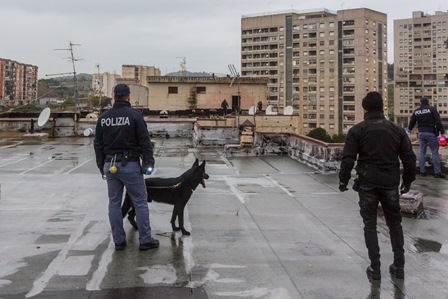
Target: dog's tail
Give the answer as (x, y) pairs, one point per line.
(127, 205)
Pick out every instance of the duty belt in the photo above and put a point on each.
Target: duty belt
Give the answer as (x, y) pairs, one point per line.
(121, 158)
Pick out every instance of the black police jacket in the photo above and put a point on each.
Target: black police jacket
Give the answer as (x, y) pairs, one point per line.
(377, 145)
(120, 130)
(427, 119)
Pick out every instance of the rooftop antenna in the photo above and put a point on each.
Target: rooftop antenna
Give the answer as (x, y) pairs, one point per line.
(236, 76)
(75, 80)
(100, 84)
(183, 66)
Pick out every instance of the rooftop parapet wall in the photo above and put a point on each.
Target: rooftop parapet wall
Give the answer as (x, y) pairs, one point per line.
(204, 80)
(325, 157)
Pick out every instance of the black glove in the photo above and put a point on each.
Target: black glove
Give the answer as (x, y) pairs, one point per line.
(101, 168)
(405, 187)
(342, 186)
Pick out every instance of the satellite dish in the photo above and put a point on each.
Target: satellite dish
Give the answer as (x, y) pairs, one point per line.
(92, 116)
(252, 110)
(288, 110)
(88, 132)
(44, 116)
(269, 110)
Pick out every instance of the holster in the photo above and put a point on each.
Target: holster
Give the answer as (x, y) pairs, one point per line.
(125, 158)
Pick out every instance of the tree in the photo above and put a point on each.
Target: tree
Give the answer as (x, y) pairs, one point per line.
(339, 138)
(320, 134)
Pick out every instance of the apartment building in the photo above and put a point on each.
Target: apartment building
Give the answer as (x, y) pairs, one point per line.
(105, 83)
(420, 64)
(18, 83)
(139, 73)
(319, 62)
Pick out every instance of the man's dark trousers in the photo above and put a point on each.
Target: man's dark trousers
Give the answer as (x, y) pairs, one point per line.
(369, 197)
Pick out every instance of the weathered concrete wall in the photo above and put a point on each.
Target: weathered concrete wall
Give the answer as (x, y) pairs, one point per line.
(275, 123)
(213, 136)
(314, 153)
(171, 129)
(323, 156)
(22, 124)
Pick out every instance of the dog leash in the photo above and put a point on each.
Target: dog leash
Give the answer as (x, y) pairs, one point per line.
(165, 187)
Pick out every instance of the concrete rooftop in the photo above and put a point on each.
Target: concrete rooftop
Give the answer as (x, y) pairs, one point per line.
(265, 227)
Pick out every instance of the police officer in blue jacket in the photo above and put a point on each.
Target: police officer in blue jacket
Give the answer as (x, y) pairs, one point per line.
(429, 127)
(121, 140)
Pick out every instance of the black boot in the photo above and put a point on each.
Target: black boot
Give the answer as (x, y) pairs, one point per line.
(151, 244)
(396, 272)
(373, 273)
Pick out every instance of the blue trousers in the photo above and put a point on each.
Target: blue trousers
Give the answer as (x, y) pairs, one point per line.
(425, 139)
(130, 177)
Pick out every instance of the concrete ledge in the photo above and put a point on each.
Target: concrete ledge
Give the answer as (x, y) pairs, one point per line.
(411, 203)
(35, 138)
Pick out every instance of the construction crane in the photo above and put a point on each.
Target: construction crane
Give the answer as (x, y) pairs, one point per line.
(183, 66)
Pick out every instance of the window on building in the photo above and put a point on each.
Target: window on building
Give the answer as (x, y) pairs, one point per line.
(172, 89)
(200, 89)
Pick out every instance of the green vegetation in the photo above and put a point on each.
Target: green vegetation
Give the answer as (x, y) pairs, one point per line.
(322, 135)
(339, 138)
(27, 108)
(63, 87)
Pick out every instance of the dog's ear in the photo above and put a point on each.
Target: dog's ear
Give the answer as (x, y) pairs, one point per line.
(196, 163)
(203, 164)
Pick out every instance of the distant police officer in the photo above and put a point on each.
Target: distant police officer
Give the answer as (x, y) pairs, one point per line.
(377, 144)
(429, 126)
(121, 139)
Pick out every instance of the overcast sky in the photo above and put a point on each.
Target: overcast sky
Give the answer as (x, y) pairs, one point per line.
(152, 32)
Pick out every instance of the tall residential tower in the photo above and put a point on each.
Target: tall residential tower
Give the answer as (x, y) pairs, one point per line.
(319, 62)
(18, 83)
(421, 64)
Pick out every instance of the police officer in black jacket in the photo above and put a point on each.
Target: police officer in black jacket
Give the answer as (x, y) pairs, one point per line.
(377, 144)
(121, 139)
(429, 126)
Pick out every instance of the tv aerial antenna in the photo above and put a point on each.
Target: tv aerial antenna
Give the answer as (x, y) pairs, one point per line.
(183, 65)
(73, 59)
(100, 84)
(236, 76)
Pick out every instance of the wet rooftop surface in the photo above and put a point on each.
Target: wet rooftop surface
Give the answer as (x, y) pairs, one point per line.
(265, 227)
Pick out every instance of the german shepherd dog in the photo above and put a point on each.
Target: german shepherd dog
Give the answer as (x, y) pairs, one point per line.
(172, 191)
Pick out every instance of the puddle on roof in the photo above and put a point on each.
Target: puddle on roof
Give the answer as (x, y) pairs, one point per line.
(424, 245)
